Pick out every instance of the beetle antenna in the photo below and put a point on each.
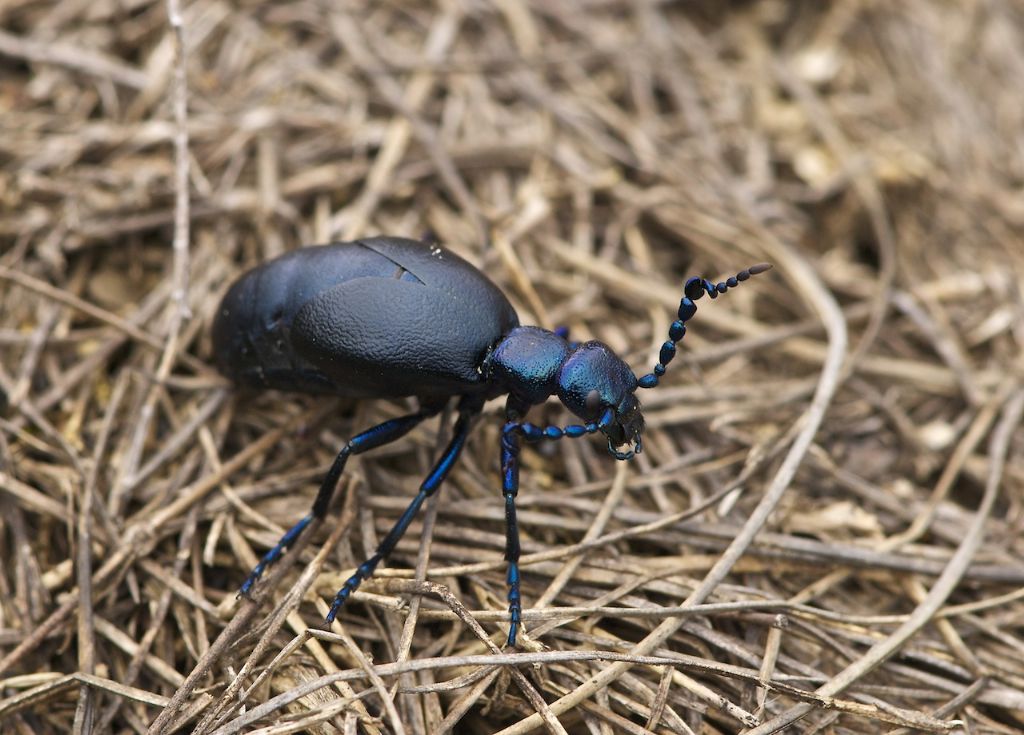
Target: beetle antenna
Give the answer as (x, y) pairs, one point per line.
(693, 290)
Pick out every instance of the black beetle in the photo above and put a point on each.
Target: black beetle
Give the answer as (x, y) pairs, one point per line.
(386, 317)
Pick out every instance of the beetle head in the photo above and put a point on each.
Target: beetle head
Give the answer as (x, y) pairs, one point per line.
(594, 383)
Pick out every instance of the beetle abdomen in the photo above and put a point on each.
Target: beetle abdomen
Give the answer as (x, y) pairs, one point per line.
(379, 317)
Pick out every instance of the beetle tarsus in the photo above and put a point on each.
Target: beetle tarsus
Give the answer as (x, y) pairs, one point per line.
(274, 554)
(365, 570)
(515, 603)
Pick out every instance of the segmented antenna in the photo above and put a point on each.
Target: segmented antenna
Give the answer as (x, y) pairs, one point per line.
(693, 290)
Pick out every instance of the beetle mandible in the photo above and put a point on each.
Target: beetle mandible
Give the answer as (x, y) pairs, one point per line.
(387, 317)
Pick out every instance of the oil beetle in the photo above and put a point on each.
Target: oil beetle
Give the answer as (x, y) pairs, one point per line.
(387, 317)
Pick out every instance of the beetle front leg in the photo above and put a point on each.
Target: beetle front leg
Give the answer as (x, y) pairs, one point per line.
(510, 488)
(510, 447)
(377, 436)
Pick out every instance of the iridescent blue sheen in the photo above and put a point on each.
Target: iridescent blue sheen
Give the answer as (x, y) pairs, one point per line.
(527, 361)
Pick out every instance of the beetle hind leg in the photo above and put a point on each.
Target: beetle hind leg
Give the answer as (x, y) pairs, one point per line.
(377, 436)
(429, 486)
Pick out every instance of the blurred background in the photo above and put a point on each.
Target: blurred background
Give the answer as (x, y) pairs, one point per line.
(848, 422)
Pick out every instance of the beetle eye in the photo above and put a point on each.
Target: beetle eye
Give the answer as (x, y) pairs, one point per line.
(593, 401)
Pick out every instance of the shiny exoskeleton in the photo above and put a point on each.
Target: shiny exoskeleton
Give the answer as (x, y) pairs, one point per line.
(387, 317)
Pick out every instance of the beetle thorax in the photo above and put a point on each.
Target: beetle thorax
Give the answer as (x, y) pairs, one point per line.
(532, 363)
(526, 363)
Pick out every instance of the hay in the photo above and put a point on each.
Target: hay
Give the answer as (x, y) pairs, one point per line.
(825, 523)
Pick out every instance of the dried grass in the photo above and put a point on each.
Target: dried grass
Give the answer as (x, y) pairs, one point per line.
(826, 521)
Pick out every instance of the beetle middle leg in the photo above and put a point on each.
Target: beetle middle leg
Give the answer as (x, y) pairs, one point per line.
(429, 486)
(377, 436)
